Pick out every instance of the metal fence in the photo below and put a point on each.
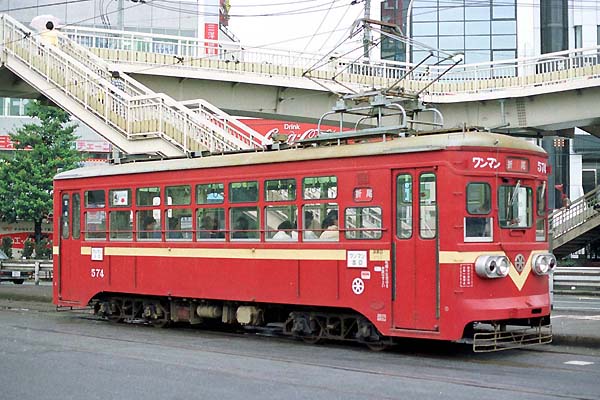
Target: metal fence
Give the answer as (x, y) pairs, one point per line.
(20, 270)
(577, 280)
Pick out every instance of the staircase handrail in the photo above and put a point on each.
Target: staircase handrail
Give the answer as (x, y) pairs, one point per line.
(97, 79)
(226, 121)
(575, 214)
(244, 137)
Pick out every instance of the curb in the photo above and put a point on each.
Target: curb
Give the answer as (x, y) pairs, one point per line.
(574, 340)
(25, 297)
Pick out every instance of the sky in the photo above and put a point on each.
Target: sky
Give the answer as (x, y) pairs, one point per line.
(293, 27)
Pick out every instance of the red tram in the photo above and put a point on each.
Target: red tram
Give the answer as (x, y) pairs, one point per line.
(435, 236)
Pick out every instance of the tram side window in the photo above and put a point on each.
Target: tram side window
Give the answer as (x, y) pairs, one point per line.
(95, 225)
(427, 206)
(94, 199)
(319, 187)
(148, 224)
(210, 193)
(76, 207)
(178, 195)
(179, 223)
(244, 223)
(211, 223)
(64, 225)
(404, 206)
(363, 223)
(540, 222)
(120, 197)
(147, 196)
(515, 206)
(121, 225)
(280, 190)
(478, 225)
(243, 192)
(95, 221)
(321, 222)
(280, 222)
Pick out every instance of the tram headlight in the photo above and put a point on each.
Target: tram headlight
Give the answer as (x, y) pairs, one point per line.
(491, 267)
(543, 264)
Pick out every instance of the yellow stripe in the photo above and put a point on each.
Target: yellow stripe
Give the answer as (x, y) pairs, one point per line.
(259, 254)
(55, 250)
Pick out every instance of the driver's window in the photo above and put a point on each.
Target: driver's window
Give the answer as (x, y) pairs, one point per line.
(404, 206)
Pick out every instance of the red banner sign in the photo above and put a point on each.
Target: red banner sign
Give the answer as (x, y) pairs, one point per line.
(295, 131)
(211, 32)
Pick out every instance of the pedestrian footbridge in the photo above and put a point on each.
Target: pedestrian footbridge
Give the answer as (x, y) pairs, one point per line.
(530, 95)
(573, 227)
(133, 88)
(124, 111)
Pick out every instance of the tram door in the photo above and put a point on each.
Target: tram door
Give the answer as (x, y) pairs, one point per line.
(415, 245)
(68, 244)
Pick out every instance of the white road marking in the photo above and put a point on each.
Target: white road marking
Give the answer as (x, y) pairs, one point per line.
(575, 362)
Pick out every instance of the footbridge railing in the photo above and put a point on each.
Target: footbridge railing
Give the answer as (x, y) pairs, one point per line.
(127, 107)
(574, 226)
(547, 72)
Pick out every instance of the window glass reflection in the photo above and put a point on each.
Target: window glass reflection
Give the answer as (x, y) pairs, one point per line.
(477, 42)
(474, 57)
(477, 27)
(424, 14)
(452, 28)
(504, 27)
(506, 12)
(430, 41)
(451, 42)
(425, 29)
(477, 14)
(504, 55)
(454, 13)
(504, 42)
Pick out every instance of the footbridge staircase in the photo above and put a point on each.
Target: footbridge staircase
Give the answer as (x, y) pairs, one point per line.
(128, 114)
(575, 226)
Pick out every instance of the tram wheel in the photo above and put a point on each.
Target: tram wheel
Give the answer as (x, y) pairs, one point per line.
(116, 314)
(160, 323)
(377, 346)
(312, 339)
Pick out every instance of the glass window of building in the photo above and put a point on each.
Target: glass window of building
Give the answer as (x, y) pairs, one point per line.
(476, 30)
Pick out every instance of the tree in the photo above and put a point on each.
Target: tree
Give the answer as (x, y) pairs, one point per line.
(41, 150)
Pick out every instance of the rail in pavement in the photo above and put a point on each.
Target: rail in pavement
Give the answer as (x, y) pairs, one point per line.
(117, 107)
(565, 70)
(573, 227)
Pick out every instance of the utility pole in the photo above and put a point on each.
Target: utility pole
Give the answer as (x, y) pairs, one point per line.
(120, 11)
(367, 28)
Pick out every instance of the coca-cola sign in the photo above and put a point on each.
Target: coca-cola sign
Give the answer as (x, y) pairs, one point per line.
(295, 131)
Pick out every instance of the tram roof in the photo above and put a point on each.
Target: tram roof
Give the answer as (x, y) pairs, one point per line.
(413, 144)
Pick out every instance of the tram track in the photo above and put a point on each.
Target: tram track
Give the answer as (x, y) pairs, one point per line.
(291, 360)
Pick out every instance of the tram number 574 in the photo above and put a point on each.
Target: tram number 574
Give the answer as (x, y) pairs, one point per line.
(97, 273)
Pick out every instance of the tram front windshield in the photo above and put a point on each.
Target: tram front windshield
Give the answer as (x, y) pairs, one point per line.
(515, 206)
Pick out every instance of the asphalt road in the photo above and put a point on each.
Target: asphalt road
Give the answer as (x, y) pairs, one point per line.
(50, 355)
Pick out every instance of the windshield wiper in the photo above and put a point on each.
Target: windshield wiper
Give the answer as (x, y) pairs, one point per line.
(515, 193)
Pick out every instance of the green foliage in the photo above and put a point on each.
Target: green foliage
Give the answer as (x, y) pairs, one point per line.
(43, 249)
(28, 248)
(7, 243)
(41, 150)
